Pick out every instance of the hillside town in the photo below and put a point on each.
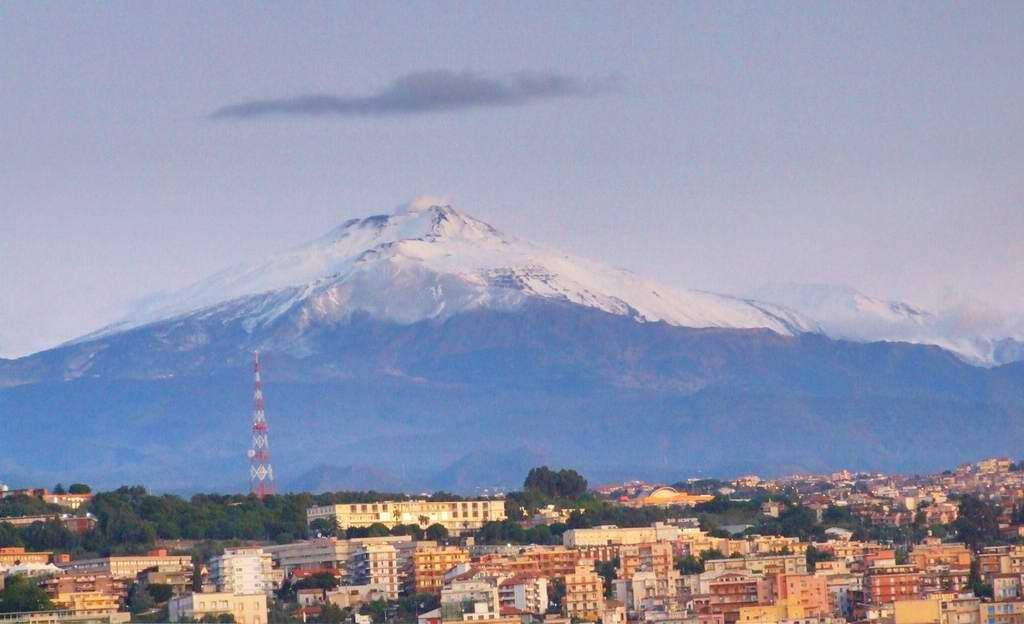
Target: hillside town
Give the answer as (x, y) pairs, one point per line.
(945, 548)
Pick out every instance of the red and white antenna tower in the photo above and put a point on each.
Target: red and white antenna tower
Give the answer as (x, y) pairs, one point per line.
(261, 472)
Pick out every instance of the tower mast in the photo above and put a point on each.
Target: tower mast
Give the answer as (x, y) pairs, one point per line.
(261, 472)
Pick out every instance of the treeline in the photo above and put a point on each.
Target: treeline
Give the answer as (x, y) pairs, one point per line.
(130, 519)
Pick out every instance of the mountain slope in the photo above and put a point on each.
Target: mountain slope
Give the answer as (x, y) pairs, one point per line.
(843, 312)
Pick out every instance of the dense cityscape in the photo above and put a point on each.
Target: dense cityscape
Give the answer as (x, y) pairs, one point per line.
(944, 548)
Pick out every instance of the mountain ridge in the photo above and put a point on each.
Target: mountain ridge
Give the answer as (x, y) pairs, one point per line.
(454, 363)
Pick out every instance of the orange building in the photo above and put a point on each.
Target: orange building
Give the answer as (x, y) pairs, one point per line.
(885, 585)
(429, 566)
(805, 591)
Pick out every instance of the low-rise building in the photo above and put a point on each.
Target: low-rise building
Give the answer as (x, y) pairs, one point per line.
(613, 535)
(16, 555)
(245, 608)
(128, 566)
(456, 516)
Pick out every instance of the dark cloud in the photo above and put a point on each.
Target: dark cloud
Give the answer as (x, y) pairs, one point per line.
(424, 92)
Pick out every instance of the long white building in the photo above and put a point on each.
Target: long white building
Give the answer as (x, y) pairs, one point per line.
(456, 516)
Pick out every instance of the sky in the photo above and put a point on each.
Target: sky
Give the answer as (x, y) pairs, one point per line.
(717, 145)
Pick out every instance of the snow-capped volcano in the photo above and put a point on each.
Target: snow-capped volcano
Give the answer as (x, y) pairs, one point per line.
(428, 260)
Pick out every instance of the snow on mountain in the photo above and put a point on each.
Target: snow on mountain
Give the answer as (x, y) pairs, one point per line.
(429, 261)
(978, 336)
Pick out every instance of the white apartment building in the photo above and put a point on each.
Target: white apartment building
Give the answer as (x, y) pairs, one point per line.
(243, 571)
(527, 593)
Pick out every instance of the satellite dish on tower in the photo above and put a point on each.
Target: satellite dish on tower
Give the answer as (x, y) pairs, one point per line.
(251, 453)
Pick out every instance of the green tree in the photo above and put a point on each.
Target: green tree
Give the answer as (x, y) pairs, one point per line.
(323, 526)
(980, 589)
(976, 523)
(564, 483)
(320, 580)
(140, 600)
(376, 610)
(408, 529)
(814, 556)
(436, 532)
(21, 594)
(331, 613)
(607, 571)
(377, 530)
(79, 488)
(161, 592)
(690, 565)
(556, 594)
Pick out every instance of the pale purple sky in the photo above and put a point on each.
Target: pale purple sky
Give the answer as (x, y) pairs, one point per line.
(711, 145)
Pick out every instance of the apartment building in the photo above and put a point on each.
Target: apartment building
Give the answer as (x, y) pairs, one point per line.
(242, 571)
(377, 564)
(430, 564)
(807, 592)
(887, 584)
(729, 591)
(1001, 560)
(646, 585)
(656, 557)
(762, 566)
(526, 593)
(549, 561)
(584, 593)
(1006, 612)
